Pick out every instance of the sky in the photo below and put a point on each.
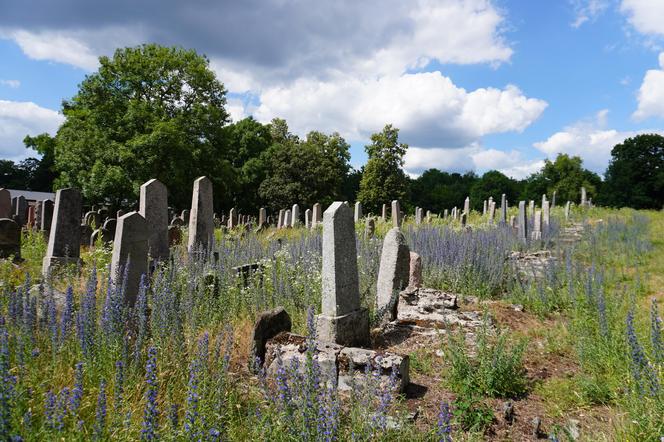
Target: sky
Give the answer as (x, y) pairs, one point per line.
(473, 85)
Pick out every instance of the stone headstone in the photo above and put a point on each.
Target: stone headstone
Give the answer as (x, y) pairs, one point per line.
(396, 214)
(513, 222)
(46, 215)
(543, 199)
(583, 197)
(492, 211)
(21, 210)
(553, 199)
(342, 319)
(232, 219)
(384, 213)
(287, 218)
(466, 206)
(317, 216)
(393, 271)
(38, 211)
(307, 218)
(31, 221)
(13, 214)
(503, 209)
(523, 222)
(567, 207)
(531, 208)
(185, 213)
(5, 204)
(201, 224)
(64, 240)
(130, 254)
(86, 234)
(92, 219)
(119, 213)
(428, 216)
(295, 215)
(446, 213)
(358, 212)
(418, 215)
(537, 226)
(153, 207)
(262, 217)
(546, 218)
(415, 272)
(464, 219)
(281, 219)
(268, 325)
(369, 227)
(108, 228)
(10, 239)
(485, 207)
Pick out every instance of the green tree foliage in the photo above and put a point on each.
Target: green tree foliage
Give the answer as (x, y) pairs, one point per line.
(303, 171)
(436, 191)
(383, 179)
(493, 184)
(635, 176)
(148, 112)
(565, 176)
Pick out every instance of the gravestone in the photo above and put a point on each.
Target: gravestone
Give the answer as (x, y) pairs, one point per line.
(484, 207)
(543, 200)
(523, 223)
(21, 210)
(492, 211)
(108, 228)
(86, 234)
(503, 209)
(393, 271)
(287, 218)
(537, 226)
(464, 219)
(428, 216)
(567, 207)
(232, 218)
(295, 215)
(201, 224)
(418, 215)
(446, 213)
(384, 213)
(130, 254)
(10, 239)
(317, 215)
(185, 213)
(342, 319)
(64, 240)
(553, 199)
(153, 207)
(307, 218)
(415, 270)
(513, 222)
(396, 214)
(262, 218)
(358, 212)
(119, 213)
(583, 197)
(92, 218)
(369, 227)
(5, 204)
(13, 214)
(177, 221)
(531, 208)
(280, 220)
(466, 206)
(31, 217)
(546, 218)
(46, 215)
(174, 235)
(39, 206)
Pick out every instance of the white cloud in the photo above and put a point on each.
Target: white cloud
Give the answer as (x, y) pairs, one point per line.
(645, 15)
(14, 84)
(651, 93)
(18, 119)
(55, 46)
(590, 140)
(587, 10)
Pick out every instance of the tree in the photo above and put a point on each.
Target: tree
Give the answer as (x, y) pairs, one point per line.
(565, 176)
(635, 175)
(43, 174)
(303, 172)
(148, 112)
(383, 179)
(493, 184)
(436, 191)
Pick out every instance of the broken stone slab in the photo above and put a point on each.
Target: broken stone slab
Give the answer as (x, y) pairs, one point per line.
(268, 325)
(348, 365)
(431, 307)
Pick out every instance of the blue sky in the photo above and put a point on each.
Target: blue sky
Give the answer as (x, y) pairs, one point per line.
(472, 84)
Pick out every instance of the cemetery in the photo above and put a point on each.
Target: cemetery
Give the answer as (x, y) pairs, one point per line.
(328, 323)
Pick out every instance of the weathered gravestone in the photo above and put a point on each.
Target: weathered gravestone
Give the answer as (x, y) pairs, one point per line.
(583, 197)
(466, 206)
(46, 215)
(492, 211)
(358, 212)
(537, 226)
(262, 218)
(31, 217)
(396, 214)
(280, 219)
(295, 215)
(174, 235)
(153, 207)
(10, 239)
(546, 218)
(130, 254)
(287, 218)
(268, 325)
(64, 240)
(39, 206)
(567, 207)
(503, 209)
(523, 223)
(21, 210)
(415, 270)
(201, 225)
(232, 219)
(384, 213)
(317, 215)
(342, 320)
(369, 227)
(177, 221)
(5, 204)
(393, 272)
(185, 213)
(86, 234)
(307, 218)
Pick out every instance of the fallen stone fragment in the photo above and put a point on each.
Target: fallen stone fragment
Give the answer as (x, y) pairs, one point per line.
(268, 325)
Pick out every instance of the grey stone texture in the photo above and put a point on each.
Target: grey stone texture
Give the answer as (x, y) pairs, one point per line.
(130, 253)
(317, 216)
(393, 272)
(21, 210)
(523, 223)
(64, 240)
(280, 220)
(153, 206)
(342, 320)
(268, 325)
(358, 212)
(5, 204)
(295, 215)
(396, 214)
(466, 205)
(201, 223)
(546, 218)
(262, 217)
(232, 219)
(415, 270)
(384, 213)
(46, 215)
(369, 227)
(307, 218)
(503, 209)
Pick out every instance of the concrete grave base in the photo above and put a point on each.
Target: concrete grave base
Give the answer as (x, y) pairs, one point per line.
(346, 365)
(349, 329)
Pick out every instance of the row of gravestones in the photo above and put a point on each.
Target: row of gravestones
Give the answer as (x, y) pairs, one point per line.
(16, 213)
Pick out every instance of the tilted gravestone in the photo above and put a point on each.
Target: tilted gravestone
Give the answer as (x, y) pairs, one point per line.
(342, 319)
(393, 271)
(523, 223)
(64, 240)
(232, 219)
(201, 224)
(153, 206)
(130, 254)
(46, 215)
(287, 218)
(10, 239)
(295, 215)
(5, 204)
(262, 218)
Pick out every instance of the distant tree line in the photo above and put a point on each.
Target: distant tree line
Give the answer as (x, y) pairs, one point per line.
(159, 112)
